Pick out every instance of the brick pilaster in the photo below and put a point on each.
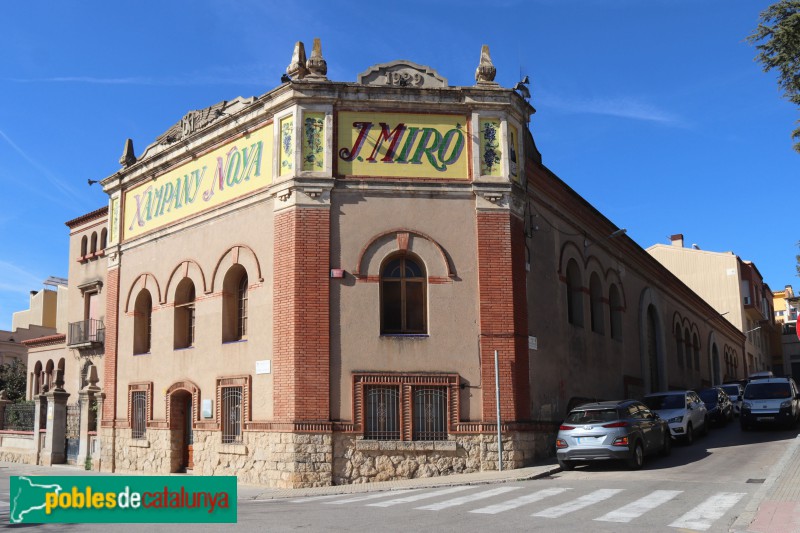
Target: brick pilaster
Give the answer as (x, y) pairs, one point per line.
(109, 383)
(503, 315)
(301, 345)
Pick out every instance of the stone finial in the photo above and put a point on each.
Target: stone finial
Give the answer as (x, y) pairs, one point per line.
(128, 158)
(485, 72)
(59, 384)
(92, 378)
(317, 67)
(297, 68)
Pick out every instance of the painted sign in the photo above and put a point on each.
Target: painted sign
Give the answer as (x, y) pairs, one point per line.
(223, 174)
(403, 145)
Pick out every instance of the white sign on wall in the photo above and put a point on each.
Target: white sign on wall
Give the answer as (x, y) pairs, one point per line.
(533, 343)
(263, 367)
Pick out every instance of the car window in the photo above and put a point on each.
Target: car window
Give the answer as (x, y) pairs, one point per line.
(733, 390)
(591, 416)
(767, 391)
(664, 401)
(634, 412)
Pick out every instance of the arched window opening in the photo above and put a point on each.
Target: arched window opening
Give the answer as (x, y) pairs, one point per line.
(596, 293)
(142, 322)
(715, 365)
(47, 382)
(696, 351)
(235, 304)
(615, 307)
(574, 294)
(37, 379)
(652, 350)
(184, 323)
(84, 245)
(94, 242)
(403, 299)
(679, 345)
(103, 239)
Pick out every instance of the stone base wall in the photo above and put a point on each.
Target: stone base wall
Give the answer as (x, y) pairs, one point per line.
(365, 461)
(18, 455)
(150, 455)
(105, 463)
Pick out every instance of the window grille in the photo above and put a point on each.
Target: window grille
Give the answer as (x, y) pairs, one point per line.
(430, 413)
(382, 413)
(241, 300)
(231, 415)
(138, 414)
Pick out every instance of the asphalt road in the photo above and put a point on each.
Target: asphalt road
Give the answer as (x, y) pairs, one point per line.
(702, 487)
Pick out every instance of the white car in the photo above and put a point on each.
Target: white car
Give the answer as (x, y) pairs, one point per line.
(735, 391)
(684, 411)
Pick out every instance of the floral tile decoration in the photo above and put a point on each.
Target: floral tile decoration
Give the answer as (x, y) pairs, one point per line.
(287, 143)
(314, 142)
(490, 147)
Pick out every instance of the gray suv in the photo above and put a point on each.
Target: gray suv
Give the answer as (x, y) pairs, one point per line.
(624, 430)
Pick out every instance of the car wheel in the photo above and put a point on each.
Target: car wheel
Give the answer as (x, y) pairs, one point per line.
(566, 465)
(636, 459)
(689, 434)
(667, 448)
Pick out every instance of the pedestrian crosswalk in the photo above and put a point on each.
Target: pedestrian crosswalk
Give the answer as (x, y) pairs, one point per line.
(616, 505)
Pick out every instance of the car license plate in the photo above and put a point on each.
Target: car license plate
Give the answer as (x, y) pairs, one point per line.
(765, 418)
(586, 440)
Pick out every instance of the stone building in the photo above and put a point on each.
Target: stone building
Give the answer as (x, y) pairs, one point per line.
(312, 286)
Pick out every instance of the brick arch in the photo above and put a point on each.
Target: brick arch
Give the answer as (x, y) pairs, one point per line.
(235, 256)
(185, 269)
(570, 250)
(143, 281)
(368, 264)
(186, 386)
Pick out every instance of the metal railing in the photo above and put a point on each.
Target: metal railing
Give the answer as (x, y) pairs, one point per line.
(86, 332)
(19, 416)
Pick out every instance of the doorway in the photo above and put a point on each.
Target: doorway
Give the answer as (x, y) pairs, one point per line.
(181, 415)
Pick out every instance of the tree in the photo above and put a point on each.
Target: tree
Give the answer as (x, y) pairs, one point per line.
(777, 38)
(13, 380)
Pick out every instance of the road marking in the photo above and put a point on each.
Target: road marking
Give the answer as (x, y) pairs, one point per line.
(423, 496)
(701, 517)
(580, 503)
(640, 506)
(468, 498)
(519, 502)
(372, 496)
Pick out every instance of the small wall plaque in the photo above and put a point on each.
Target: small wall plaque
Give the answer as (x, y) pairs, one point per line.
(263, 367)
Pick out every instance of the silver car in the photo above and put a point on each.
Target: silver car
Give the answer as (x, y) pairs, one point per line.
(685, 412)
(624, 430)
(735, 391)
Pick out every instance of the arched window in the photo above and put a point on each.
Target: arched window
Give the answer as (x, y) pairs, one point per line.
(596, 292)
(715, 365)
(615, 308)
(94, 242)
(687, 338)
(652, 349)
(679, 345)
(37, 379)
(103, 239)
(234, 304)
(574, 294)
(142, 322)
(403, 300)
(47, 383)
(696, 350)
(184, 323)
(84, 245)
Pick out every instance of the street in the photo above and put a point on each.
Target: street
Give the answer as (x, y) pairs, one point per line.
(702, 487)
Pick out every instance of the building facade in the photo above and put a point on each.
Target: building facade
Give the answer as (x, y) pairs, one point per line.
(315, 286)
(786, 305)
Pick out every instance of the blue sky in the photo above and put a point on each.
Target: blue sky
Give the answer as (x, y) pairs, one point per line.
(654, 111)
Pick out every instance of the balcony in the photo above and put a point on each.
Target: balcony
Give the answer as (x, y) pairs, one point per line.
(751, 310)
(88, 333)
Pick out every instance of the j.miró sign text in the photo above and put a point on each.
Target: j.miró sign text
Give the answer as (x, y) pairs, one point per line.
(403, 145)
(223, 174)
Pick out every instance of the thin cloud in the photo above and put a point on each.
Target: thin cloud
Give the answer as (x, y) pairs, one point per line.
(625, 107)
(15, 280)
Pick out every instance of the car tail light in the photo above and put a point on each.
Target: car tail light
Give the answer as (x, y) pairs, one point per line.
(566, 428)
(620, 441)
(616, 425)
(561, 443)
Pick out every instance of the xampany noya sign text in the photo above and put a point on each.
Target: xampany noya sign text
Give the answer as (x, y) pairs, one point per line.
(403, 145)
(230, 171)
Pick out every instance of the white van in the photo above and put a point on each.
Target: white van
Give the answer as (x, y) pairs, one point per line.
(770, 400)
(761, 375)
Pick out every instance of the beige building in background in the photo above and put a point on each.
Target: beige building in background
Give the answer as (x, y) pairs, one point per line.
(737, 291)
(787, 306)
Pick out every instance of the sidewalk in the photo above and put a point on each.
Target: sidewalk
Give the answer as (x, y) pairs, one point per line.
(250, 492)
(775, 508)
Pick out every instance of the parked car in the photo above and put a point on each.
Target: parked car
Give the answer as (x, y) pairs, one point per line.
(684, 411)
(734, 391)
(761, 375)
(718, 404)
(624, 430)
(771, 400)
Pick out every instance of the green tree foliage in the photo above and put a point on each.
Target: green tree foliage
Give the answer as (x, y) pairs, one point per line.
(777, 39)
(13, 380)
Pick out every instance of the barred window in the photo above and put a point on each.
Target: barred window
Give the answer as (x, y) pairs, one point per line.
(231, 415)
(382, 413)
(138, 414)
(430, 413)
